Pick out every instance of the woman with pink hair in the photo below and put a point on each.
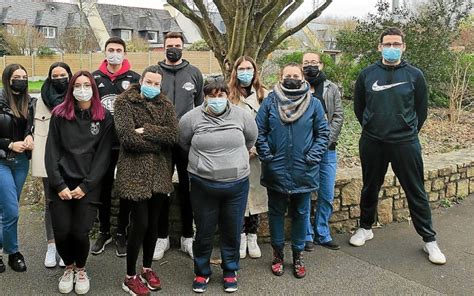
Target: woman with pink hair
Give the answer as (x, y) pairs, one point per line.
(77, 155)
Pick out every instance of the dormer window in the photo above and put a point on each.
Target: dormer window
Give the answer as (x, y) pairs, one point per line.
(152, 36)
(126, 35)
(49, 32)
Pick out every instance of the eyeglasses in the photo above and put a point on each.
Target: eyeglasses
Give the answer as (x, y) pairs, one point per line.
(311, 63)
(394, 44)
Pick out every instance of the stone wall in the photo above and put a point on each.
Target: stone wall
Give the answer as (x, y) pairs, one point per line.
(448, 177)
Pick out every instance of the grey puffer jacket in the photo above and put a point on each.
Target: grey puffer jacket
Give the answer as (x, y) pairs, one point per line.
(332, 99)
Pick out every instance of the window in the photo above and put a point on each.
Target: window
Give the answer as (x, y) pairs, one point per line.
(49, 32)
(152, 36)
(11, 30)
(126, 35)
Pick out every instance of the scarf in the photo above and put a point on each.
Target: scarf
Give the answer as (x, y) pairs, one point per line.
(292, 103)
(50, 95)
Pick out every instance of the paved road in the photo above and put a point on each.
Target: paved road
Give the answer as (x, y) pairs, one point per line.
(391, 264)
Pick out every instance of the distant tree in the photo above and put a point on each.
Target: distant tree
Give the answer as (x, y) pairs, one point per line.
(23, 39)
(137, 44)
(252, 26)
(4, 46)
(69, 40)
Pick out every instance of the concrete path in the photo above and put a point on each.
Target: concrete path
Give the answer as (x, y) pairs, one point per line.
(393, 263)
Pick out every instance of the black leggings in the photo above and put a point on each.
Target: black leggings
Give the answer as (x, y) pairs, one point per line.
(72, 221)
(251, 224)
(143, 231)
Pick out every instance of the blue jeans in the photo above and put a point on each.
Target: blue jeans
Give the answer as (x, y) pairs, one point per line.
(324, 209)
(12, 177)
(299, 212)
(223, 204)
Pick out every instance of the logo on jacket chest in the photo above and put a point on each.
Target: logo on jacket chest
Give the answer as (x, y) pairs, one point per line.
(95, 128)
(108, 102)
(189, 86)
(377, 87)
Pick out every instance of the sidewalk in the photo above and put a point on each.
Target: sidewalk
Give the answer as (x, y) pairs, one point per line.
(393, 263)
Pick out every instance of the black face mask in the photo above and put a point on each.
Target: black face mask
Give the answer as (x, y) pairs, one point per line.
(19, 85)
(311, 71)
(291, 83)
(61, 84)
(173, 54)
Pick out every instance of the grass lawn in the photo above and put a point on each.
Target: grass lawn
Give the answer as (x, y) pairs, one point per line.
(33, 86)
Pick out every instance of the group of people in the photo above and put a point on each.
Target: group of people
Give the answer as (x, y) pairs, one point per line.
(92, 136)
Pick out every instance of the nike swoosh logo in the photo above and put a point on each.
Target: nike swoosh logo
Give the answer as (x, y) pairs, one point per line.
(376, 87)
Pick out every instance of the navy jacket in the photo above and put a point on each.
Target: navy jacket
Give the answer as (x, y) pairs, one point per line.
(391, 102)
(291, 152)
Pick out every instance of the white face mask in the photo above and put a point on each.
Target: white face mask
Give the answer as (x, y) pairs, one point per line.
(114, 58)
(82, 94)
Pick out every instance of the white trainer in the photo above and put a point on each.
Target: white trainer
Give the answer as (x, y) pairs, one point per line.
(187, 246)
(361, 236)
(254, 249)
(82, 282)
(435, 254)
(243, 246)
(50, 258)
(162, 245)
(61, 262)
(66, 281)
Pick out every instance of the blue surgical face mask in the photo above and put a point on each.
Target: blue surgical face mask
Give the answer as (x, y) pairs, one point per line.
(150, 92)
(391, 54)
(245, 77)
(217, 105)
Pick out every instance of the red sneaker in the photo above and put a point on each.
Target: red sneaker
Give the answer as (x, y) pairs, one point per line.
(151, 280)
(134, 286)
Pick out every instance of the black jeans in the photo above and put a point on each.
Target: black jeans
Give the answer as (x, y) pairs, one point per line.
(106, 199)
(180, 159)
(407, 165)
(72, 221)
(218, 204)
(143, 231)
(251, 224)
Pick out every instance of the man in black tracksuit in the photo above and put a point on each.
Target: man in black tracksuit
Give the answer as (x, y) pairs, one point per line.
(390, 103)
(182, 84)
(112, 78)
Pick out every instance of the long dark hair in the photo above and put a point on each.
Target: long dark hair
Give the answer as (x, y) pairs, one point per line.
(66, 108)
(62, 65)
(236, 90)
(18, 107)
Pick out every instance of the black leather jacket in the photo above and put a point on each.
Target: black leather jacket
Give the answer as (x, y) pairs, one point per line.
(8, 125)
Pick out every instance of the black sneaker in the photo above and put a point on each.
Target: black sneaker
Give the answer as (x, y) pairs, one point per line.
(121, 245)
(102, 240)
(309, 246)
(17, 262)
(2, 265)
(331, 245)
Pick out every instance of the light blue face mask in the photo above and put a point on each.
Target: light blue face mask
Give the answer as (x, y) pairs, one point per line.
(217, 105)
(150, 92)
(245, 77)
(391, 54)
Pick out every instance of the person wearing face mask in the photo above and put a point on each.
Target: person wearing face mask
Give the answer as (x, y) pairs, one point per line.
(218, 136)
(391, 104)
(52, 94)
(293, 136)
(182, 84)
(113, 77)
(16, 144)
(328, 94)
(76, 159)
(247, 92)
(144, 174)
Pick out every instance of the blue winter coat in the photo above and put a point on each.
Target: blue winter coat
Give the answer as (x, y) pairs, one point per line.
(291, 152)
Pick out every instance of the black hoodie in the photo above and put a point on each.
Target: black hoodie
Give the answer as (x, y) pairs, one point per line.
(391, 102)
(182, 84)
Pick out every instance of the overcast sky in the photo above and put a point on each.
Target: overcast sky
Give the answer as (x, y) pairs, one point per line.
(340, 8)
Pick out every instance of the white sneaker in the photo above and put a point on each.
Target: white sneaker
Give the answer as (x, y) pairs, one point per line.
(66, 281)
(435, 254)
(243, 246)
(254, 249)
(187, 246)
(361, 236)
(50, 259)
(162, 245)
(61, 262)
(82, 282)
